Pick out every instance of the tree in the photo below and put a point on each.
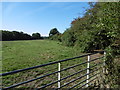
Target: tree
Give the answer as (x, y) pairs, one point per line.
(53, 32)
(14, 35)
(99, 29)
(68, 38)
(36, 36)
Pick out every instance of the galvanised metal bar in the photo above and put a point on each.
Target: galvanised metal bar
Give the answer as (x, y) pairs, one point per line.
(74, 66)
(95, 65)
(74, 80)
(77, 84)
(78, 78)
(83, 81)
(96, 59)
(16, 71)
(87, 83)
(18, 84)
(62, 79)
(15, 85)
(92, 79)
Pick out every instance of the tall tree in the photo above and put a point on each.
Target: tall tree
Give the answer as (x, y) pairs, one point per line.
(36, 36)
(53, 32)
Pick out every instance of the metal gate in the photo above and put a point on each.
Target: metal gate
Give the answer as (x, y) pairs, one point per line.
(94, 69)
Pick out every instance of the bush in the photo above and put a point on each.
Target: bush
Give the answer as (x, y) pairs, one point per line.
(113, 67)
(56, 37)
(68, 38)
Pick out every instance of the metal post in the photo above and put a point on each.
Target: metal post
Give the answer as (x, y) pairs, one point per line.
(88, 66)
(59, 75)
(104, 57)
(104, 70)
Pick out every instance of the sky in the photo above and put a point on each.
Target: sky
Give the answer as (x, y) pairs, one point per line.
(41, 17)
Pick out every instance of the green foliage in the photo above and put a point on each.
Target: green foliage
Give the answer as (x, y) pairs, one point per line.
(14, 35)
(84, 42)
(98, 29)
(53, 32)
(68, 38)
(113, 66)
(55, 35)
(36, 36)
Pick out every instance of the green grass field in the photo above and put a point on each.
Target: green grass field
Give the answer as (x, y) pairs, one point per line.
(23, 54)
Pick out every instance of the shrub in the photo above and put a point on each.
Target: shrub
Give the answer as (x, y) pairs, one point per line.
(68, 38)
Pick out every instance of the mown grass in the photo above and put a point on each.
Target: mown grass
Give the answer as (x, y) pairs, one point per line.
(23, 54)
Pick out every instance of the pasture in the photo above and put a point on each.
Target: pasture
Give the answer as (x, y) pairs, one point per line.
(23, 54)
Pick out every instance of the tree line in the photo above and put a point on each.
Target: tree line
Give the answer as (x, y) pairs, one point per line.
(98, 29)
(15, 35)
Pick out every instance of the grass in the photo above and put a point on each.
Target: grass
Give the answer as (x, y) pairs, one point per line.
(23, 54)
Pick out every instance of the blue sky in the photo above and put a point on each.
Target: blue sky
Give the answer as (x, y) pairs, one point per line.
(31, 17)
